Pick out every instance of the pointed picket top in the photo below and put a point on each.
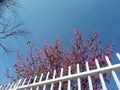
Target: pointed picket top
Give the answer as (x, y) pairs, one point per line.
(35, 79)
(24, 81)
(118, 55)
(108, 60)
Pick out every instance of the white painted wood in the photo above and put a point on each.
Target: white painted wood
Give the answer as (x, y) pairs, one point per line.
(34, 81)
(39, 81)
(78, 79)
(44, 87)
(1, 86)
(51, 88)
(89, 77)
(7, 86)
(41, 77)
(11, 85)
(118, 55)
(29, 81)
(17, 84)
(24, 81)
(69, 82)
(61, 75)
(117, 81)
(108, 61)
(101, 76)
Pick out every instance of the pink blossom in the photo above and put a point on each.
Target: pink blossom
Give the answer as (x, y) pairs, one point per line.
(19, 57)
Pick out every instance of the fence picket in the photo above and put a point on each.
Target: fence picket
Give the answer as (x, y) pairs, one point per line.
(113, 73)
(34, 81)
(78, 79)
(29, 81)
(69, 73)
(118, 55)
(17, 84)
(11, 85)
(101, 76)
(39, 81)
(24, 81)
(1, 86)
(60, 83)
(44, 87)
(89, 77)
(53, 78)
(7, 86)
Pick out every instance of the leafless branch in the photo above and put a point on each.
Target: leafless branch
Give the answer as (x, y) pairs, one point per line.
(11, 31)
(9, 5)
(6, 49)
(9, 27)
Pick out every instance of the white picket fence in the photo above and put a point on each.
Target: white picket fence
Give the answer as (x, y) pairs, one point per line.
(36, 85)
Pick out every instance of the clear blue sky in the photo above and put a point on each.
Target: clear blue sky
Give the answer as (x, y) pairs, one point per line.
(49, 18)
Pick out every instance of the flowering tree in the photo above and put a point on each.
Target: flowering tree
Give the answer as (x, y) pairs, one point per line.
(56, 57)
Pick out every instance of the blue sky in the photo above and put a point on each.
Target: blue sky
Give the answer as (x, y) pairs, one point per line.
(50, 18)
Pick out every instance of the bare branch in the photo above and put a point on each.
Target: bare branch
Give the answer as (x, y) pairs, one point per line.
(9, 5)
(6, 49)
(9, 27)
(11, 31)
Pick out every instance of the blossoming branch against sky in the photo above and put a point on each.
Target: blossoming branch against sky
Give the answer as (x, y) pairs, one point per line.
(47, 19)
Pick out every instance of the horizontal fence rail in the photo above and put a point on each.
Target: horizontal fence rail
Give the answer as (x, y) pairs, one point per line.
(51, 82)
